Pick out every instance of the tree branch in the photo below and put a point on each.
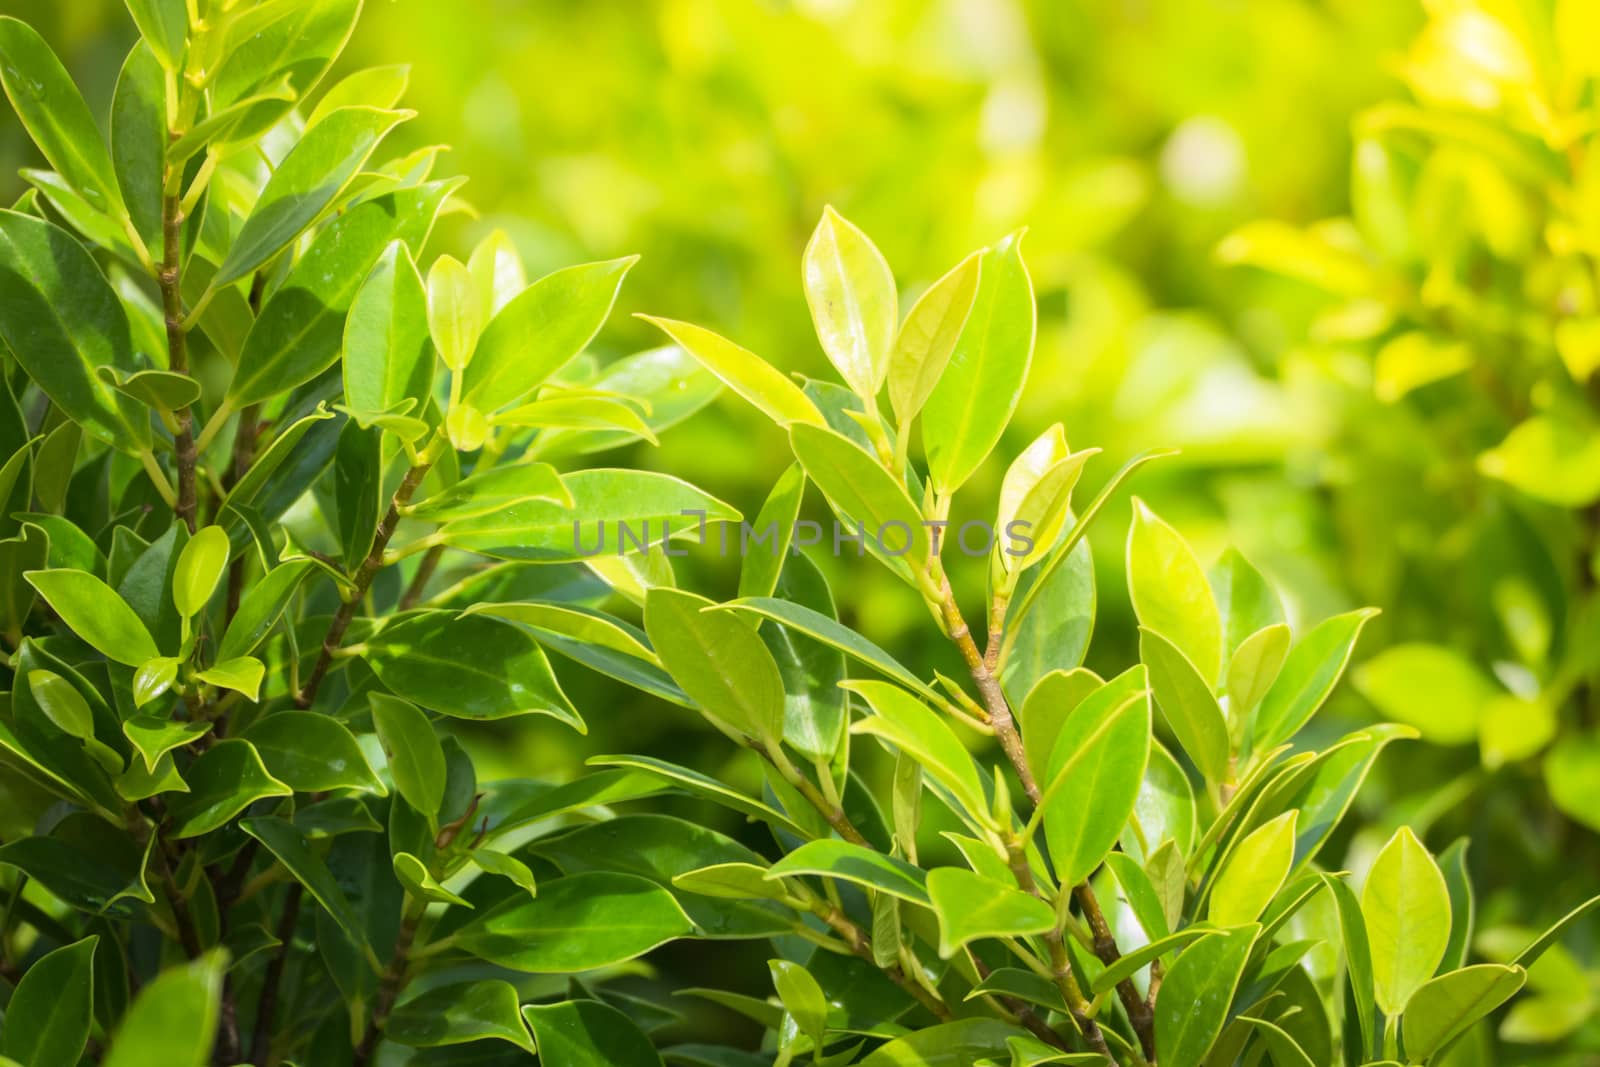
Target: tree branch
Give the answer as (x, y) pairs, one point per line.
(170, 278)
(362, 581)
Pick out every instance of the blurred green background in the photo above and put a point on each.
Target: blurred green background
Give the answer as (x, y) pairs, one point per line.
(1130, 137)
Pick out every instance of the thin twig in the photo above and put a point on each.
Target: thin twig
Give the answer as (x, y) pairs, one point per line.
(419, 581)
(271, 982)
(362, 582)
(170, 278)
(389, 987)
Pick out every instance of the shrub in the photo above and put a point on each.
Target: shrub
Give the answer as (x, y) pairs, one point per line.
(1137, 879)
(234, 403)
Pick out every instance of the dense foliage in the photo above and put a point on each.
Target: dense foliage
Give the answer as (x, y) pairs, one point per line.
(293, 505)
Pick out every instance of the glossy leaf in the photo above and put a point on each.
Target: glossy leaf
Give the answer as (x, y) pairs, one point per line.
(311, 753)
(1256, 869)
(289, 845)
(1444, 1007)
(227, 778)
(95, 613)
(588, 1033)
(540, 331)
(459, 1013)
(744, 372)
(1310, 671)
(200, 567)
(969, 409)
(53, 112)
(491, 491)
(854, 307)
(1171, 594)
(1186, 704)
(861, 489)
(970, 906)
(720, 661)
(802, 998)
(1407, 910)
(388, 358)
(62, 321)
(469, 667)
(576, 923)
(173, 1021)
(164, 24)
(914, 728)
(928, 337)
(855, 863)
(51, 1010)
(316, 169)
(1197, 993)
(416, 759)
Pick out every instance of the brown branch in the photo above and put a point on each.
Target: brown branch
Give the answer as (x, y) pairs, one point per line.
(833, 813)
(170, 278)
(389, 986)
(362, 582)
(419, 581)
(272, 981)
(982, 667)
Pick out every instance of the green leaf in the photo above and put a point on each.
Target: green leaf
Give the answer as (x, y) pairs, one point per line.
(164, 25)
(720, 661)
(1132, 963)
(315, 171)
(372, 87)
(587, 1033)
(53, 112)
(388, 356)
(1094, 778)
(62, 703)
(579, 624)
(698, 784)
(978, 392)
(496, 271)
(1463, 908)
(87, 863)
(815, 708)
(1041, 716)
(416, 759)
(970, 906)
(802, 998)
(200, 567)
(504, 866)
(1197, 993)
(611, 511)
(1553, 456)
(455, 312)
(1187, 704)
(261, 606)
(1542, 944)
(139, 136)
(856, 863)
(159, 389)
(854, 307)
(954, 1044)
(1310, 671)
(928, 336)
(1054, 633)
(577, 923)
(1256, 869)
(154, 737)
(311, 753)
(859, 487)
(173, 1021)
(52, 1008)
(357, 490)
(1246, 601)
(242, 675)
(301, 330)
(1432, 687)
(540, 331)
(62, 320)
(458, 1013)
(771, 534)
(668, 380)
(1171, 594)
(1444, 1007)
(1357, 955)
(1407, 911)
(95, 613)
(1252, 670)
(731, 881)
(421, 884)
(832, 632)
(1036, 498)
(744, 372)
(914, 728)
(293, 850)
(469, 667)
(492, 491)
(1569, 775)
(227, 778)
